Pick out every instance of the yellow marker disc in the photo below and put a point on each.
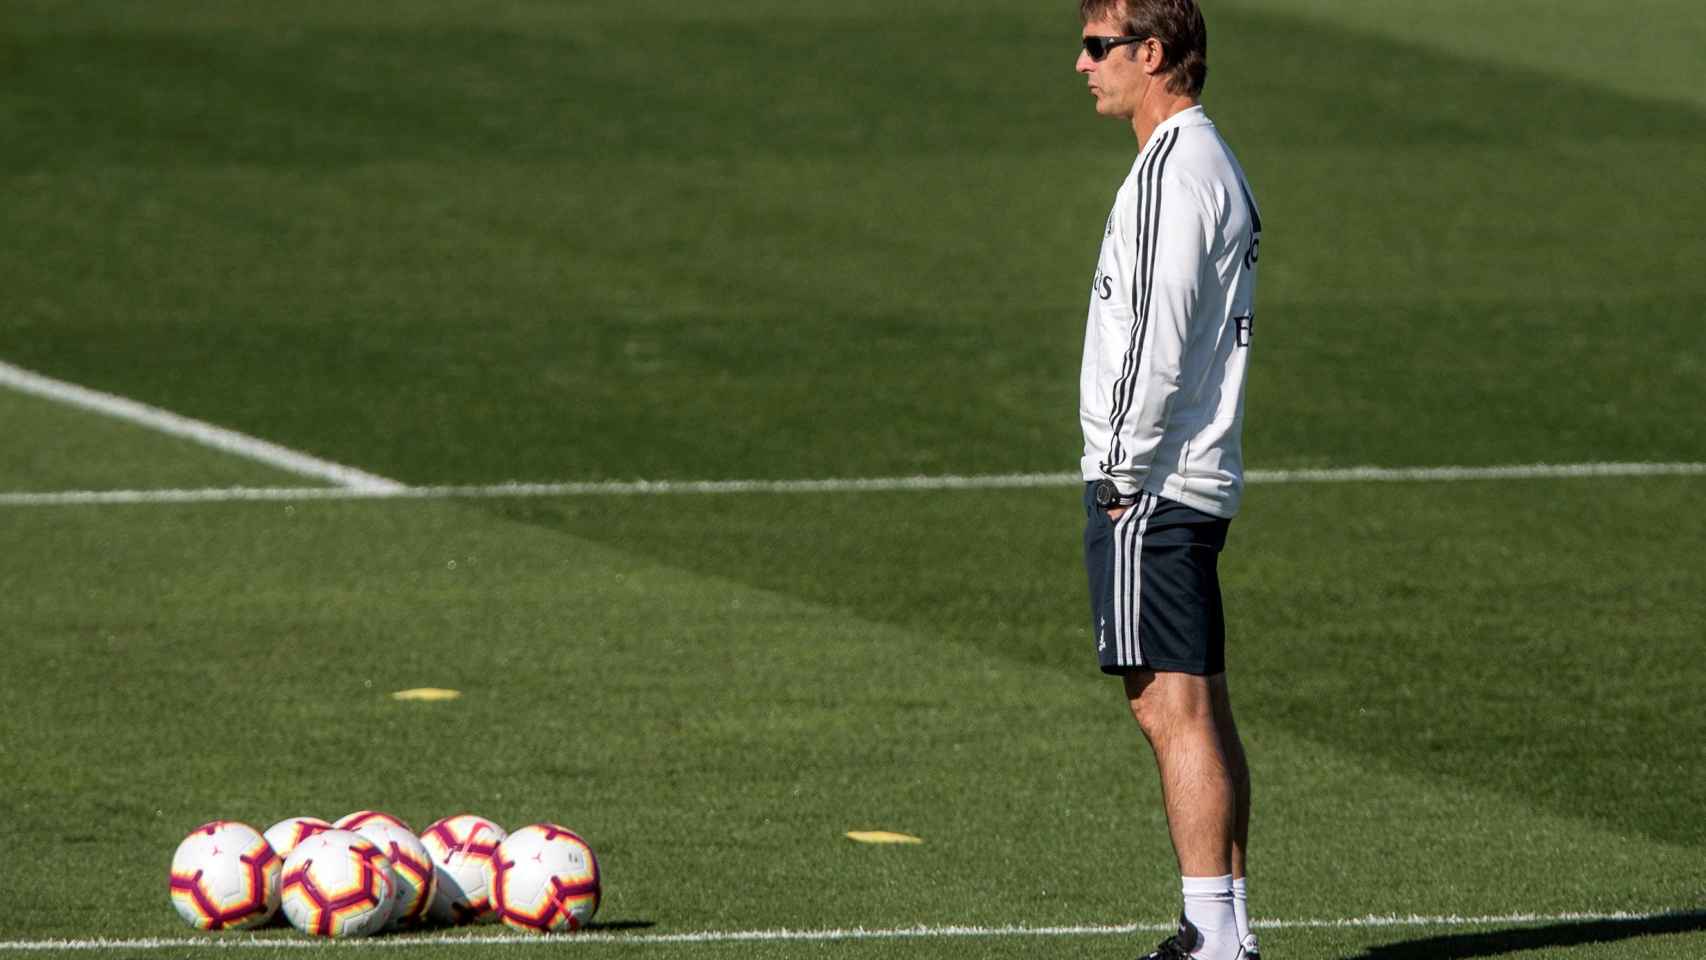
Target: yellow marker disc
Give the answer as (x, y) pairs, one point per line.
(426, 693)
(881, 836)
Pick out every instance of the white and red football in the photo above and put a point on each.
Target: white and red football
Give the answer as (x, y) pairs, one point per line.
(461, 847)
(286, 834)
(338, 884)
(544, 878)
(224, 876)
(411, 867)
(361, 818)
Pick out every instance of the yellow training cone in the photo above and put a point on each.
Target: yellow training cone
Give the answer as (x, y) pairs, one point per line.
(881, 836)
(426, 693)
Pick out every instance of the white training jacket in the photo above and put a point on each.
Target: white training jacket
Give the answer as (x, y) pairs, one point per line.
(1161, 393)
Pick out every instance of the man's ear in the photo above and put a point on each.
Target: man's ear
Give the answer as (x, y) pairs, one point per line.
(1154, 55)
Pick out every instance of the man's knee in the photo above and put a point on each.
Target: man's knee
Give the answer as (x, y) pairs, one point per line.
(1162, 702)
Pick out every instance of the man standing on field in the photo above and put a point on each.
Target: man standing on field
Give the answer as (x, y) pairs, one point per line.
(1162, 405)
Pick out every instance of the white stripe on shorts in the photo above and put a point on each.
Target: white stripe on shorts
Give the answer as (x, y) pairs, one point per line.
(1118, 586)
(1128, 583)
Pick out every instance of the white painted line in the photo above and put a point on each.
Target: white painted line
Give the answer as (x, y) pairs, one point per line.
(219, 438)
(845, 485)
(922, 932)
(1530, 471)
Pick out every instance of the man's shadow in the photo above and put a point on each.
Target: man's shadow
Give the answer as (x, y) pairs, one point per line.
(1459, 946)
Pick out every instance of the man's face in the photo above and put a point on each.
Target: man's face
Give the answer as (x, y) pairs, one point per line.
(1118, 81)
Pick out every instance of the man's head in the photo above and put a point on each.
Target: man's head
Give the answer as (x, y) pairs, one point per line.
(1170, 49)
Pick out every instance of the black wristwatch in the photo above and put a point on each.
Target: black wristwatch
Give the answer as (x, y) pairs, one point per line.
(1108, 496)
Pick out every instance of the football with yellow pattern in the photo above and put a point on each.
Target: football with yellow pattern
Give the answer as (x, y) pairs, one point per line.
(338, 884)
(411, 867)
(544, 878)
(461, 848)
(224, 876)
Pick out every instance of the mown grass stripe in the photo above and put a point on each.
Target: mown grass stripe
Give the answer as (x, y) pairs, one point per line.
(837, 485)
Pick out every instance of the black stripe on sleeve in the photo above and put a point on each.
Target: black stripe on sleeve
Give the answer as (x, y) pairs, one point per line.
(1150, 213)
(1139, 245)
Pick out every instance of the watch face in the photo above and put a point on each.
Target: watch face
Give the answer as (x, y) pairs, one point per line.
(1106, 493)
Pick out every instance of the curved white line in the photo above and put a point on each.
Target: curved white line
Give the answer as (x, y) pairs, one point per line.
(165, 421)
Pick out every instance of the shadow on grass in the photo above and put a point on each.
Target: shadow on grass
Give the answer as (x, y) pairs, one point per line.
(1497, 943)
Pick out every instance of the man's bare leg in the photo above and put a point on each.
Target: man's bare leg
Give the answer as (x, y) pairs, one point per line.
(1176, 712)
(1233, 749)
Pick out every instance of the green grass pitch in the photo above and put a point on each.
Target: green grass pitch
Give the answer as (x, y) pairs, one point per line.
(453, 242)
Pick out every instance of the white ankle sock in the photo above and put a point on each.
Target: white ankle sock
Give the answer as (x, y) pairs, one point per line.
(1241, 906)
(1208, 906)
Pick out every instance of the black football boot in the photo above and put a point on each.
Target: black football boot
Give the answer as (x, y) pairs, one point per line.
(1179, 945)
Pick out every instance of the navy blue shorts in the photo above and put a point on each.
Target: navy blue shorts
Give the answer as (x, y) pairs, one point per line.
(1155, 587)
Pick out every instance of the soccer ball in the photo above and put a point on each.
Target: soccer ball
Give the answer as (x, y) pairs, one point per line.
(362, 818)
(544, 878)
(338, 884)
(461, 847)
(286, 834)
(225, 876)
(411, 867)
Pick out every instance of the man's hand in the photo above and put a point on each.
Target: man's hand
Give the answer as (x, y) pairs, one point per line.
(1115, 513)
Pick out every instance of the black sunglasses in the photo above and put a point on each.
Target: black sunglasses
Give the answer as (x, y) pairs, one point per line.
(1099, 47)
